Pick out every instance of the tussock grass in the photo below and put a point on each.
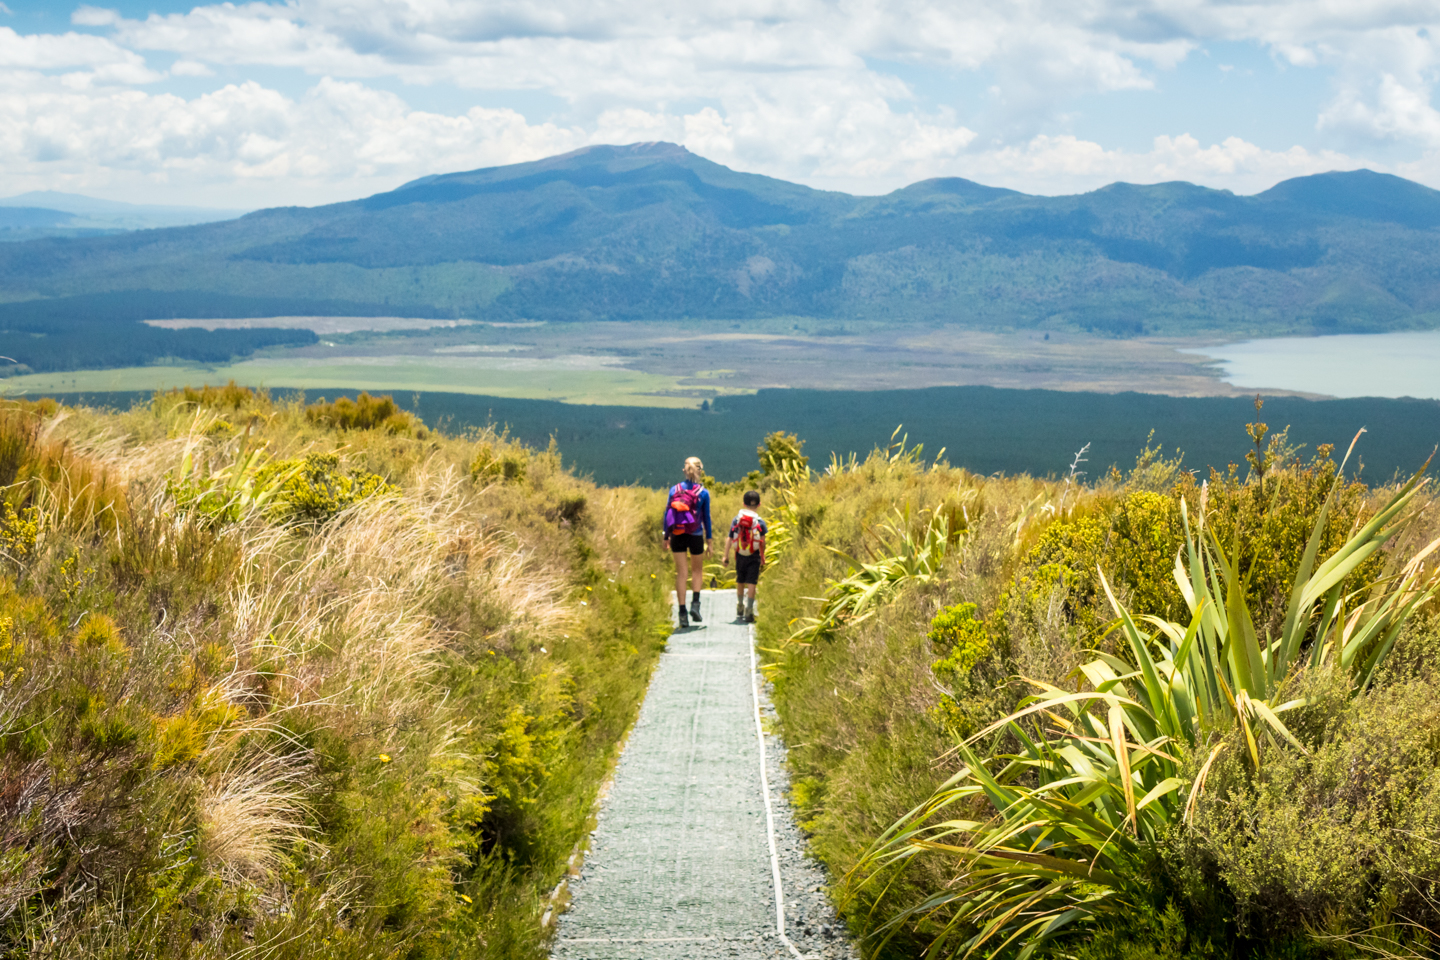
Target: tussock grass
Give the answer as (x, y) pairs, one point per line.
(230, 728)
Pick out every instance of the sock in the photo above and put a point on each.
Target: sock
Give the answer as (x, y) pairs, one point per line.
(750, 605)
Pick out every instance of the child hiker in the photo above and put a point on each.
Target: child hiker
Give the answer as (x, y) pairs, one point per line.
(687, 513)
(747, 542)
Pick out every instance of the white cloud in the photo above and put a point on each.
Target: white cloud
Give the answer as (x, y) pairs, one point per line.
(87, 16)
(48, 51)
(190, 68)
(1392, 111)
(263, 146)
(342, 138)
(1065, 164)
(605, 54)
(777, 86)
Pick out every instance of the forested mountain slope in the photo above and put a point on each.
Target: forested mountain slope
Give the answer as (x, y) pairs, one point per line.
(653, 231)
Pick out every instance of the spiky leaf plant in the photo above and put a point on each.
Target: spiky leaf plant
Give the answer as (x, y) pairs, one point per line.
(908, 558)
(1064, 830)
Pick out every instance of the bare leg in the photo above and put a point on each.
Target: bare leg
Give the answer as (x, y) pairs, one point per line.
(680, 578)
(697, 571)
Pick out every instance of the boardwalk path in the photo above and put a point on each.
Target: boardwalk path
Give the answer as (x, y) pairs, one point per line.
(680, 865)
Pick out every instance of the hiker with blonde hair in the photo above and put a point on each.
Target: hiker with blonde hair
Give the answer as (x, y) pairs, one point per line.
(687, 514)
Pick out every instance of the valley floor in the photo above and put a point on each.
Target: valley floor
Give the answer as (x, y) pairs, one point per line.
(682, 363)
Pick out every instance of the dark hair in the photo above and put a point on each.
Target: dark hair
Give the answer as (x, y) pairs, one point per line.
(752, 498)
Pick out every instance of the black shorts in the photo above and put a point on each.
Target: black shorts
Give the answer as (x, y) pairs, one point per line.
(694, 542)
(747, 569)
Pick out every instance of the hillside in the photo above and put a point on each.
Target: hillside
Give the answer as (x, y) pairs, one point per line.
(651, 231)
(1007, 732)
(303, 682)
(319, 681)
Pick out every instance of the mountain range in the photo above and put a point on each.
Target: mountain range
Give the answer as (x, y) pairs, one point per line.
(49, 213)
(652, 231)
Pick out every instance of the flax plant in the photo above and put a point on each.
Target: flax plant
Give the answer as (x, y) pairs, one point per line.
(905, 559)
(1065, 829)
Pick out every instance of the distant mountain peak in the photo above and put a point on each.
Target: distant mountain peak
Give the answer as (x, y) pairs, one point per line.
(1364, 194)
(958, 187)
(654, 149)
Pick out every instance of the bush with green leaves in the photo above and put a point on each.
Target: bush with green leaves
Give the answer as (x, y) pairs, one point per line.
(1135, 535)
(315, 489)
(507, 464)
(1286, 725)
(366, 413)
(963, 641)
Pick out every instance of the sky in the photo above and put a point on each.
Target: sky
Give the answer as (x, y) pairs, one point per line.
(244, 105)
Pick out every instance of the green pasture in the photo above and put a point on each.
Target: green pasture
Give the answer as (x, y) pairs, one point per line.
(582, 380)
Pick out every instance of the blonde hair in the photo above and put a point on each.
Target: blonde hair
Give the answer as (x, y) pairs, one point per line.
(699, 467)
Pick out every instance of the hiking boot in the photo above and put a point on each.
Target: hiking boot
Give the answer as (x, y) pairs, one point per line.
(750, 616)
(684, 618)
(739, 609)
(695, 610)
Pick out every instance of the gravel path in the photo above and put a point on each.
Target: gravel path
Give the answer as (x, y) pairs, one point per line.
(679, 863)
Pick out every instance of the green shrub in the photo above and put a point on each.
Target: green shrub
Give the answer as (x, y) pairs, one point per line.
(963, 641)
(366, 413)
(781, 452)
(230, 397)
(374, 738)
(317, 490)
(1268, 526)
(19, 530)
(97, 631)
(1134, 538)
(508, 464)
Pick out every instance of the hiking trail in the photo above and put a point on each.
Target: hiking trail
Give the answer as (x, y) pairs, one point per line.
(684, 860)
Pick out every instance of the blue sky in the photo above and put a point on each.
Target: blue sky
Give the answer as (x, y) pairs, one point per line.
(310, 101)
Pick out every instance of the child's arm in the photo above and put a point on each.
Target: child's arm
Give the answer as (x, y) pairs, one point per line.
(729, 547)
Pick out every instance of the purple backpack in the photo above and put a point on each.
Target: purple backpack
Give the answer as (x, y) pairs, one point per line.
(680, 514)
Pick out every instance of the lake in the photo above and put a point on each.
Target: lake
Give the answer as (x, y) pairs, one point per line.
(1348, 365)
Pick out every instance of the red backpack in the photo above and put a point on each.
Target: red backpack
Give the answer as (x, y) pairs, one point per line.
(747, 534)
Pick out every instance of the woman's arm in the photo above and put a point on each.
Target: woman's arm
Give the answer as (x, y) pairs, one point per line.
(665, 513)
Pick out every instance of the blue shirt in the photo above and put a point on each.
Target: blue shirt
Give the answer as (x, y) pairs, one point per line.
(702, 504)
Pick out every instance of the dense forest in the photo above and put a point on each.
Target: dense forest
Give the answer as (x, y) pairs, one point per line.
(651, 231)
(105, 330)
(982, 429)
